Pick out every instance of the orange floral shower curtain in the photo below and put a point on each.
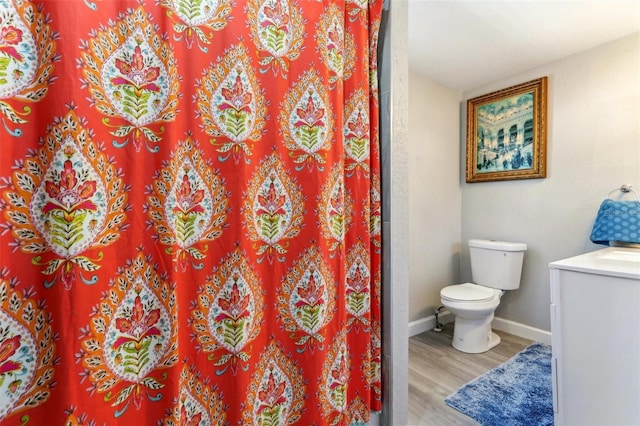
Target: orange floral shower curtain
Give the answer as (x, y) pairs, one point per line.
(190, 226)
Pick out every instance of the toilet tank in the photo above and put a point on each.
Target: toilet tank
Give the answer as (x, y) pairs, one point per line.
(496, 264)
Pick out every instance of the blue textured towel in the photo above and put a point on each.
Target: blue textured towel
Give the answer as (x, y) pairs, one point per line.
(617, 221)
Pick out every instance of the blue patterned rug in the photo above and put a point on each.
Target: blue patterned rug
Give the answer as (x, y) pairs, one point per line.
(515, 393)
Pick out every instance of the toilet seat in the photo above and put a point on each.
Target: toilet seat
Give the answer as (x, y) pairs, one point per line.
(468, 292)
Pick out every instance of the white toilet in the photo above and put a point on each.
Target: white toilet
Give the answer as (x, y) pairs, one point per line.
(496, 266)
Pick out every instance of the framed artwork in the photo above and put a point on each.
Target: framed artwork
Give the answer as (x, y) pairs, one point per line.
(506, 133)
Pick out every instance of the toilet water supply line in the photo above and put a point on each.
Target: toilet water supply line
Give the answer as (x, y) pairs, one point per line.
(438, 327)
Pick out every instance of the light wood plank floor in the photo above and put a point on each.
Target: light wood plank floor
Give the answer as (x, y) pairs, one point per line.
(436, 370)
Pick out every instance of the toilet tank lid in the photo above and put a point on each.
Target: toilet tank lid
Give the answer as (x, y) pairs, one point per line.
(498, 245)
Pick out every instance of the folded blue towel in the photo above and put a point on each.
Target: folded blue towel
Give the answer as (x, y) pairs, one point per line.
(617, 221)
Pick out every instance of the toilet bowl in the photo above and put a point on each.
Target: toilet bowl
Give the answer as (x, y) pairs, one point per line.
(473, 306)
(495, 267)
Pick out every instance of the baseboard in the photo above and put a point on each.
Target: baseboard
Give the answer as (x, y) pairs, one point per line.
(511, 327)
(428, 323)
(522, 330)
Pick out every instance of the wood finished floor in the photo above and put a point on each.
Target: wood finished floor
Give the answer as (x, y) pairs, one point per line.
(436, 370)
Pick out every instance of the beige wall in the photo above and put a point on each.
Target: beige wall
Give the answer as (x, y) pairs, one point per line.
(593, 147)
(435, 194)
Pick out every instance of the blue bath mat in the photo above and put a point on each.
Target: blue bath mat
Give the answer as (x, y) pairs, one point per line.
(515, 393)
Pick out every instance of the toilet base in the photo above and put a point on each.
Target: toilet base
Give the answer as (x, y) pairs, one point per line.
(474, 336)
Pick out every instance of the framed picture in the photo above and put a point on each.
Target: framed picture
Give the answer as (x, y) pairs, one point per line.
(506, 133)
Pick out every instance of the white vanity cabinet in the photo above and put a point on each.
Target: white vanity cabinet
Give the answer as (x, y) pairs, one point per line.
(595, 326)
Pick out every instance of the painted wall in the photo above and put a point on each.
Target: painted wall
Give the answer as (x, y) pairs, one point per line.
(593, 147)
(394, 82)
(435, 195)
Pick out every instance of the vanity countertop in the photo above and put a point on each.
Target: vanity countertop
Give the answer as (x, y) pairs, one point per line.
(615, 261)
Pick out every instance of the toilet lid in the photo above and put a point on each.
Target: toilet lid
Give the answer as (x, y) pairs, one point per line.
(468, 292)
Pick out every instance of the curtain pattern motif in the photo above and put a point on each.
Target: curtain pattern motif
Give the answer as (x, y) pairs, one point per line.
(190, 197)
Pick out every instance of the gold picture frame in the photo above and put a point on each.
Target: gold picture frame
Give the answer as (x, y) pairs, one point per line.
(507, 133)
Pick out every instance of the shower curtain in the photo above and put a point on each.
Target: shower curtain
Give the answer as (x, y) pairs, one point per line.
(190, 212)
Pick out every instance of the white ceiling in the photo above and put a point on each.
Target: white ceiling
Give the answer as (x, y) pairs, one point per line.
(467, 44)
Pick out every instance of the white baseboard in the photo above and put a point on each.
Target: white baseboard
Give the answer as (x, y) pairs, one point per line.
(428, 323)
(522, 330)
(511, 327)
